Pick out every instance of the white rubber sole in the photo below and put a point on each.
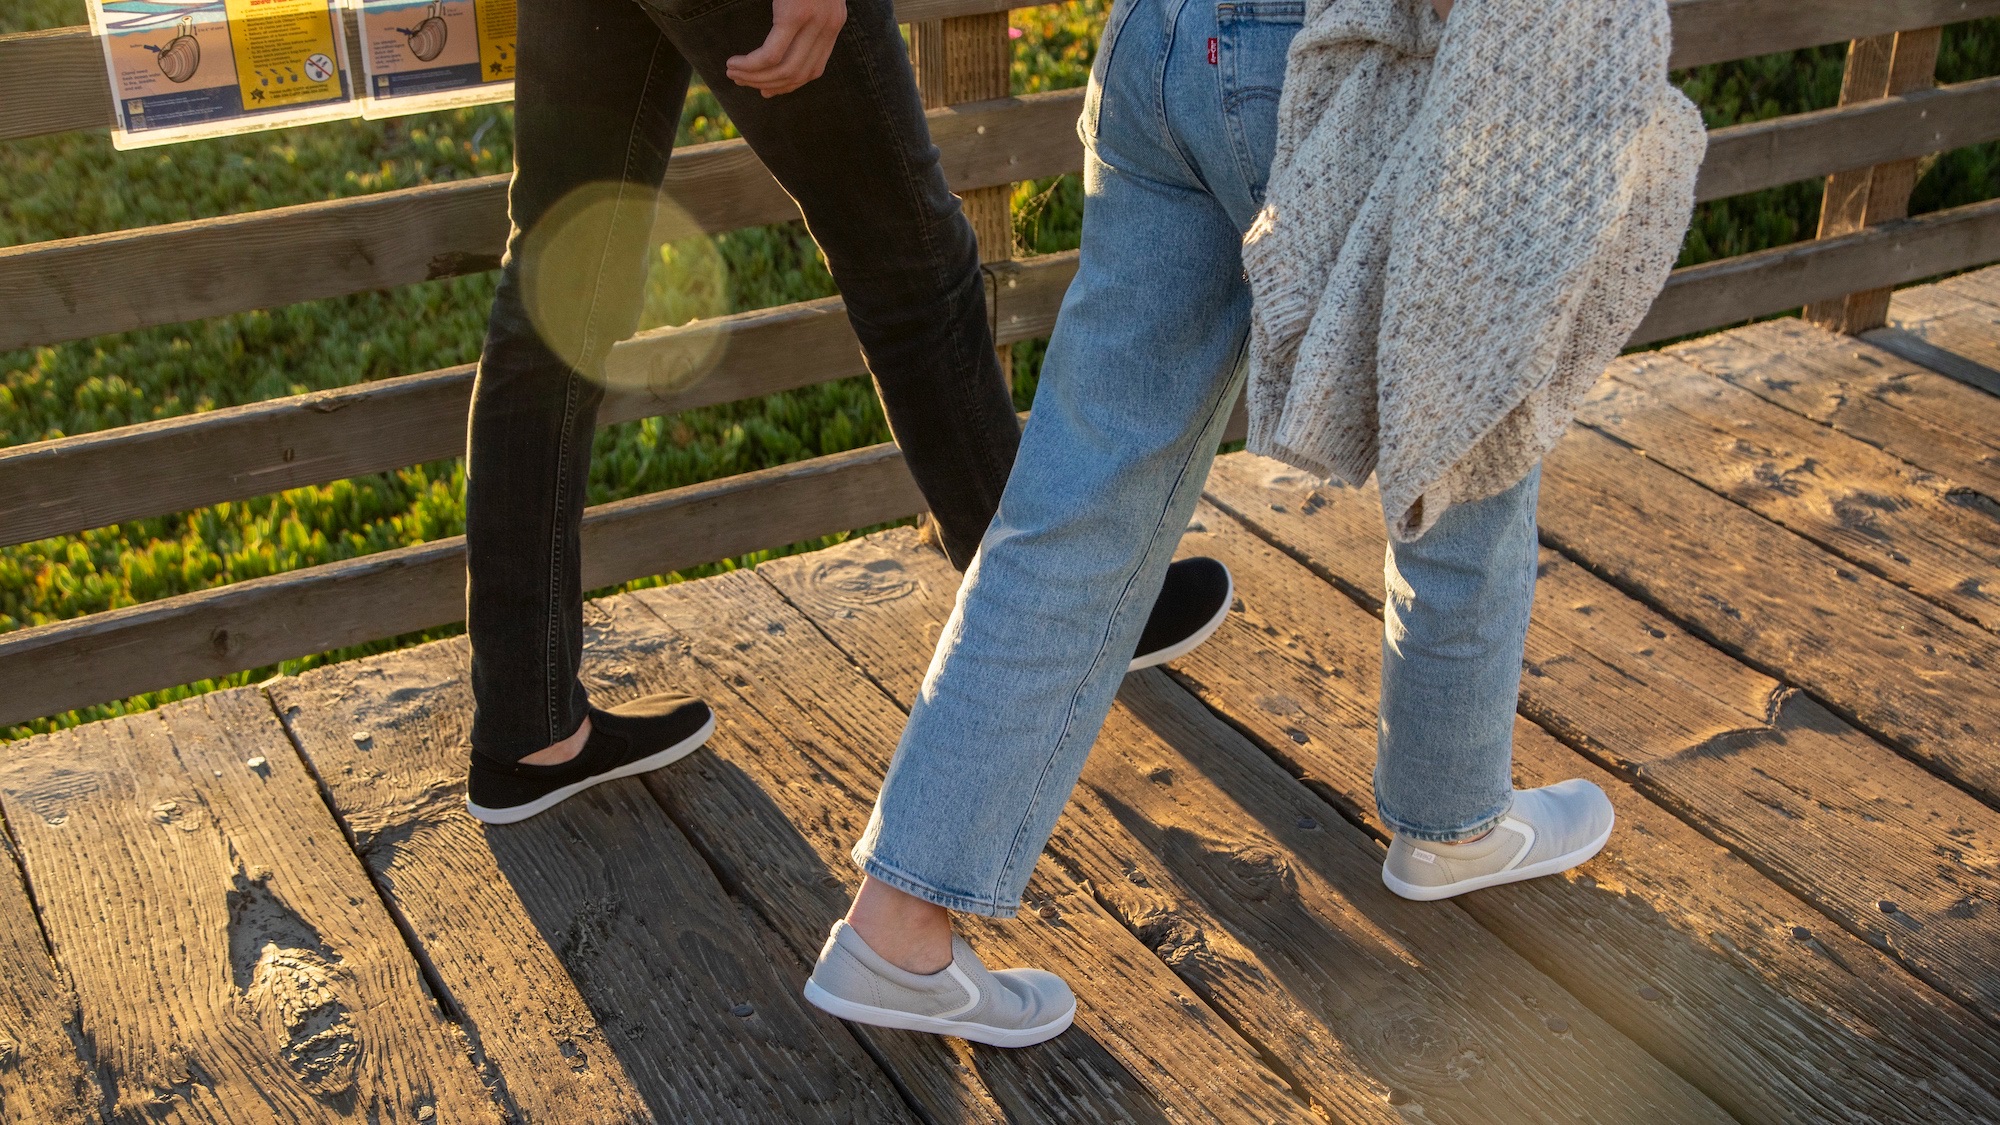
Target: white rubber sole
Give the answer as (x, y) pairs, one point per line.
(549, 800)
(1193, 641)
(1512, 875)
(908, 1021)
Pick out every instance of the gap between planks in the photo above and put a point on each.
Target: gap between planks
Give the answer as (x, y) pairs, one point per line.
(1763, 1012)
(1898, 857)
(1262, 898)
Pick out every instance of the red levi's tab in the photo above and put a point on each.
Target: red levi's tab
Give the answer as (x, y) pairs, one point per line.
(1214, 51)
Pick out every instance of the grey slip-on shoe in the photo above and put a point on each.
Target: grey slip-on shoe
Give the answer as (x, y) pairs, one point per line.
(1010, 1008)
(1550, 829)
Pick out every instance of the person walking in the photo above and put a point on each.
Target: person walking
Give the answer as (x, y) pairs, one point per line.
(823, 92)
(1180, 126)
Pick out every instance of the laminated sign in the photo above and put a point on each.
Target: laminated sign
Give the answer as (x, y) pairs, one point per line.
(429, 54)
(182, 69)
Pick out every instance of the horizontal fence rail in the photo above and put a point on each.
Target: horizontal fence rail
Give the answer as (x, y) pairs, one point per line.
(1803, 146)
(1737, 289)
(251, 624)
(53, 81)
(70, 484)
(68, 289)
(71, 288)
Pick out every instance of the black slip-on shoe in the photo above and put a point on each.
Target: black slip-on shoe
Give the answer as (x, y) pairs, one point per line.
(1193, 602)
(631, 738)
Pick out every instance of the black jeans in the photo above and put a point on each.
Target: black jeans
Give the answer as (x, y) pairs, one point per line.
(598, 98)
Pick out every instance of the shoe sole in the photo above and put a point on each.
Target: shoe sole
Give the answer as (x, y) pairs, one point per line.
(515, 813)
(1193, 641)
(909, 1021)
(1532, 871)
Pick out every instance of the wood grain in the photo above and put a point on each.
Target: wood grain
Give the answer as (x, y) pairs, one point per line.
(45, 1065)
(1732, 290)
(53, 668)
(1881, 66)
(231, 960)
(72, 288)
(1262, 899)
(91, 480)
(1860, 390)
(1951, 334)
(1920, 678)
(591, 955)
(1827, 812)
(1142, 1049)
(1783, 150)
(1855, 501)
(1767, 1022)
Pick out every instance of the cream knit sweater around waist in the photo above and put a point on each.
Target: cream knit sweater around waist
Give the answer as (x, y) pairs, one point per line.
(1458, 236)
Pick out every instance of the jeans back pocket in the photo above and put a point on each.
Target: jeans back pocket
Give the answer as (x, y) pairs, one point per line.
(1253, 36)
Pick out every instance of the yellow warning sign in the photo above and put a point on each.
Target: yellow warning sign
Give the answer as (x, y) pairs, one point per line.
(284, 52)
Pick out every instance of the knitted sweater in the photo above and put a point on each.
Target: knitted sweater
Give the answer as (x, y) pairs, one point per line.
(1462, 228)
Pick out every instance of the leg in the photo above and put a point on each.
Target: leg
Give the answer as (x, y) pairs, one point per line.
(1137, 385)
(853, 148)
(1454, 628)
(598, 101)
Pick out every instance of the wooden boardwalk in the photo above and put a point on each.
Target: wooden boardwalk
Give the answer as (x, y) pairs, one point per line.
(1768, 624)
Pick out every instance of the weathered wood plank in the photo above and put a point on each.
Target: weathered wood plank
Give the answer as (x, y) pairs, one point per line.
(45, 1066)
(1749, 285)
(1828, 813)
(1878, 67)
(589, 951)
(52, 668)
(53, 81)
(1783, 150)
(72, 288)
(154, 468)
(1262, 899)
(1948, 333)
(1979, 285)
(1709, 31)
(1902, 408)
(1773, 1012)
(799, 784)
(1852, 499)
(1922, 679)
(231, 959)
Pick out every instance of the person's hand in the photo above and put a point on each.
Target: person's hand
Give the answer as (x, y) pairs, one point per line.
(1442, 8)
(795, 53)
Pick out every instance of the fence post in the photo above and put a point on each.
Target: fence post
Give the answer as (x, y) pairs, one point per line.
(969, 59)
(1877, 67)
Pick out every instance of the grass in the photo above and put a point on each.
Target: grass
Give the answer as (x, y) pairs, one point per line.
(59, 187)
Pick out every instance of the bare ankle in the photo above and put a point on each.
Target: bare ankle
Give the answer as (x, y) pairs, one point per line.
(562, 751)
(904, 930)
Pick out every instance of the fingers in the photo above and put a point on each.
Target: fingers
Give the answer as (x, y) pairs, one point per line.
(765, 58)
(796, 50)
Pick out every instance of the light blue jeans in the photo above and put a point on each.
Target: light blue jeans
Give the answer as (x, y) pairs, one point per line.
(1141, 373)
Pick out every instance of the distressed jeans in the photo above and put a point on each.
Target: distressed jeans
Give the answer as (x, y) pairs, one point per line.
(1141, 374)
(597, 102)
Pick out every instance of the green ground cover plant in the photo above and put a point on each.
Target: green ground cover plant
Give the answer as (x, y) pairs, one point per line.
(65, 186)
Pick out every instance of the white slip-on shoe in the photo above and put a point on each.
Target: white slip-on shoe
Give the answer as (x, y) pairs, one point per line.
(1010, 1008)
(1550, 829)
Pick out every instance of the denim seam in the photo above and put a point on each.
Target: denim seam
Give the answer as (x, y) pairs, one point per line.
(553, 608)
(1160, 103)
(876, 869)
(1013, 856)
(1408, 831)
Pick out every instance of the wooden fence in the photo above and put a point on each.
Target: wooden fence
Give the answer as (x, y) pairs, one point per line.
(50, 82)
